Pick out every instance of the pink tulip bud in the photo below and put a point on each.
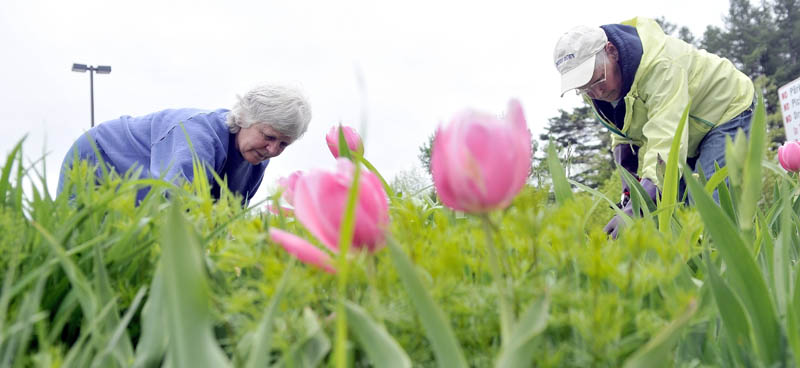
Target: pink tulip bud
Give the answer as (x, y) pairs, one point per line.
(302, 249)
(480, 162)
(288, 183)
(789, 156)
(350, 136)
(320, 199)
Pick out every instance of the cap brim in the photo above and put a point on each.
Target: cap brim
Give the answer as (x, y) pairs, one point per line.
(578, 76)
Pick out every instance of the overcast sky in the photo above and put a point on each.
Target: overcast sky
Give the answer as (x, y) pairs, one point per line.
(421, 62)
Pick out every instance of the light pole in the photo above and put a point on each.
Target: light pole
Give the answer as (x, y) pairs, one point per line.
(100, 69)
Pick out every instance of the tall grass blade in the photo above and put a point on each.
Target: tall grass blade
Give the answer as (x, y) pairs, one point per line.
(380, 346)
(437, 328)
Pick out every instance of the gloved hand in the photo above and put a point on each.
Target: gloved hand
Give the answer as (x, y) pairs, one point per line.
(613, 226)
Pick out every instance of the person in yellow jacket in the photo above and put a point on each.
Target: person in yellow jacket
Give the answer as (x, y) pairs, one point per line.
(639, 81)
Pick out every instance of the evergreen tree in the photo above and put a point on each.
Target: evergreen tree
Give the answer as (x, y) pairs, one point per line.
(584, 145)
(763, 42)
(424, 154)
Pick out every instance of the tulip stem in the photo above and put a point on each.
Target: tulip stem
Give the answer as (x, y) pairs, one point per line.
(346, 230)
(386, 186)
(506, 313)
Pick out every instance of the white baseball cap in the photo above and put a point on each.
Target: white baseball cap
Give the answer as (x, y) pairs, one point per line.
(575, 53)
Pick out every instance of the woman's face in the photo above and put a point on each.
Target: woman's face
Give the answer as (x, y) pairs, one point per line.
(260, 142)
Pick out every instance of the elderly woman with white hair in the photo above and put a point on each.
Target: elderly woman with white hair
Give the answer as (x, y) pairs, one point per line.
(235, 144)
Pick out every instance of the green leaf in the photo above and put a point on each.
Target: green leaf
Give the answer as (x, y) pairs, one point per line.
(262, 343)
(627, 219)
(731, 310)
(669, 195)
(310, 350)
(124, 351)
(640, 199)
(560, 184)
(657, 351)
(6, 174)
(793, 320)
(743, 272)
(751, 186)
(725, 198)
(380, 346)
(188, 317)
(123, 357)
(437, 329)
(519, 351)
(344, 149)
(153, 342)
(372, 168)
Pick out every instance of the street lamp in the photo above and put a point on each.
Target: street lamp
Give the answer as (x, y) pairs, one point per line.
(100, 69)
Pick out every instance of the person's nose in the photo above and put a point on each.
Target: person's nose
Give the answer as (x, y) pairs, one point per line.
(273, 148)
(596, 91)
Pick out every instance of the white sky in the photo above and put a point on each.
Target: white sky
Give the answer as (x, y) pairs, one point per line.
(421, 61)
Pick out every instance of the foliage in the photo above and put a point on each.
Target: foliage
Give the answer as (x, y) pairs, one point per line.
(79, 268)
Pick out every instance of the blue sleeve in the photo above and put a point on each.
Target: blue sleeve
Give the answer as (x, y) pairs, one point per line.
(171, 154)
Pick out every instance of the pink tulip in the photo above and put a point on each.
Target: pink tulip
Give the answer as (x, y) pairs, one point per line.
(280, 210)
(320, 199)
(288, 183)
(350, 136)
(302, 249)
(480, 162)
(789, 156)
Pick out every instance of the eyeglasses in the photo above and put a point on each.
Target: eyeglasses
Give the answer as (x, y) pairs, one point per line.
(589, 87)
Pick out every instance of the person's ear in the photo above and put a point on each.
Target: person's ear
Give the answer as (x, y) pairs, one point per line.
(612, 52)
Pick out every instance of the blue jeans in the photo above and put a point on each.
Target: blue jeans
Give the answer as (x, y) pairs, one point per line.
(712, 147)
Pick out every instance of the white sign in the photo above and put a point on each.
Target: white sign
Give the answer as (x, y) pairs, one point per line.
(789, 97)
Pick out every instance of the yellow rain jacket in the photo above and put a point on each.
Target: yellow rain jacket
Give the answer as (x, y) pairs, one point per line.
(671, 75)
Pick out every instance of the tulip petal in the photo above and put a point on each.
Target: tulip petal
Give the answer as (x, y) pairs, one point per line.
(440, 165)
(302, 249)
(318, 198)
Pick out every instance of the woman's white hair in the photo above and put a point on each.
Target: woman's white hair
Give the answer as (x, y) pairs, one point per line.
(282, 108)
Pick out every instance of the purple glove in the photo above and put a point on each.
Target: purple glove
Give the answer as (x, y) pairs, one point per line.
(613, 226)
